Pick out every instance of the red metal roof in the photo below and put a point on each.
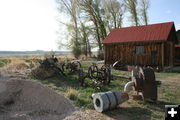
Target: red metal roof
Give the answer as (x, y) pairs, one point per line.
(177, 45)
(145, 33)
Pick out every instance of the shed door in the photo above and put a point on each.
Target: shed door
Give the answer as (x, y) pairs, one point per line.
(154, 58)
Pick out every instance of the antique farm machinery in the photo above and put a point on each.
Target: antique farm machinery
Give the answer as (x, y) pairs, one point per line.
(51, 66)
(144, 82)
(98, 75)
(47, 68)
(142, 79)
(71, 66)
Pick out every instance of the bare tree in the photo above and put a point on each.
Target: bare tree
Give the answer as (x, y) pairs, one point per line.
(85, 33)
(70, 7)
(132, 8)
(144, 9)
(93, 9)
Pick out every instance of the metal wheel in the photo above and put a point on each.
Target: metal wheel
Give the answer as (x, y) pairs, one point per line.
(75, 66)
(81, 77)
(93, 71)
(107, 74)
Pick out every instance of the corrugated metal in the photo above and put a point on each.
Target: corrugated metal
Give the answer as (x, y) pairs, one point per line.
(146, 33)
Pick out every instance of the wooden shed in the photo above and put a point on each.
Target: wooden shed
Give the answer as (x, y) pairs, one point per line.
(148, 45)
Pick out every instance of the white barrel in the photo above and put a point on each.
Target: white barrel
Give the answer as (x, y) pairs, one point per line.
(108, 100)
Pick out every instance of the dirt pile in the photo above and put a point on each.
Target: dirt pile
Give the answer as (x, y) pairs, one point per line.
(27, 100)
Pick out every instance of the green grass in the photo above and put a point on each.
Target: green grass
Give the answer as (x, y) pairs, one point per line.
(4, 62)
(168, 94)
(167, 74)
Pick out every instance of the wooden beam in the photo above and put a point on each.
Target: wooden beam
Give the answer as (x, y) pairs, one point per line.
(105, 54)
(162, 51)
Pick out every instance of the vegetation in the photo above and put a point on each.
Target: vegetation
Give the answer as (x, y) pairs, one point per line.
(91, 20)
(4, 62)
(32, 60)
(81, 96)
(168, 93)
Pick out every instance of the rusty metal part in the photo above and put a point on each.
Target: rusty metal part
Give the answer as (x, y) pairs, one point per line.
(81, 76)
(97, 75)
(107, 71)
(120, 66)
(146, 84)
(48, 67)
(102, 75)
(93, 71)
(71, 66)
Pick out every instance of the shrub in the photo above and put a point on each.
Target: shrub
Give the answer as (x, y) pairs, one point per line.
(72, 94)
(4, 62)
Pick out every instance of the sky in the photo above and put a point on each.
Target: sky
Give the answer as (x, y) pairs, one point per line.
(27, 25)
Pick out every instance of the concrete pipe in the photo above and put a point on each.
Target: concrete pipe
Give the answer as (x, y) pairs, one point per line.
(108, 100)
(128, 86)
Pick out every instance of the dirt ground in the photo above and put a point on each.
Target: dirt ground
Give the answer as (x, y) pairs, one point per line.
(23, 99)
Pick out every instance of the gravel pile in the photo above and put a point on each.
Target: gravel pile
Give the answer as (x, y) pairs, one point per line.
(27, 100)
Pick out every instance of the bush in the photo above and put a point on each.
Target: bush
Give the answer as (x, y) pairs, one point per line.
(4, 62)
(76, 52)
(72, 94)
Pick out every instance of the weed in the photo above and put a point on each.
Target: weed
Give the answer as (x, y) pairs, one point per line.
(4, 62)
(72, 94)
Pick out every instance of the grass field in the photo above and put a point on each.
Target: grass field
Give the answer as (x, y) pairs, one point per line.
(168, 93)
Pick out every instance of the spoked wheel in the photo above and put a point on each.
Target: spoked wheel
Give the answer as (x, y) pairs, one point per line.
(101, 77)
(93, 71)
(106, 74)
(81, 77)
(66, 67)
(75, 66)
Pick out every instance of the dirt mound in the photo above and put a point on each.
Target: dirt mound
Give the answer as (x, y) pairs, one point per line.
(27, 100)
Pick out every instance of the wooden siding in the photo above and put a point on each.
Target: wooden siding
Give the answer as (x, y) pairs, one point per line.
(126, 54)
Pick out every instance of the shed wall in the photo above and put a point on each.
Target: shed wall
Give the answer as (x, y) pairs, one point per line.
(127, 55)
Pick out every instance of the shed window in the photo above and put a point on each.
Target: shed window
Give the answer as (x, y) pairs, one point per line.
(139, 49)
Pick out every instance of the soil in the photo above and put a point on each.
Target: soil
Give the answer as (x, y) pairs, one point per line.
(28, 100)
